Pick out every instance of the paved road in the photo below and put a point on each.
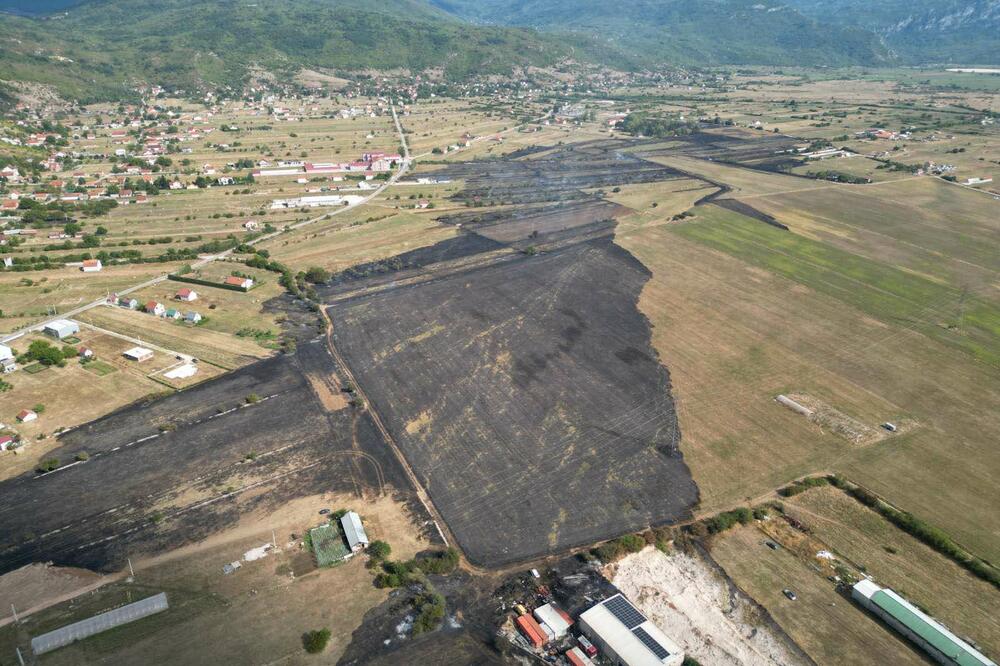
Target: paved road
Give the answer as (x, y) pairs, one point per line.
(399, 173)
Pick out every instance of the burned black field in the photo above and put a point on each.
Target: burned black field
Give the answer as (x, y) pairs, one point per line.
(171, 472)
(523, 390)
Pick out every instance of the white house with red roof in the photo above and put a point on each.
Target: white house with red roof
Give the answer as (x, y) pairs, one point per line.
(243, 283)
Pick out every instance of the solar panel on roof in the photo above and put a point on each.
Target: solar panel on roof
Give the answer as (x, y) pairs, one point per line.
(650, 642)
(622, 609)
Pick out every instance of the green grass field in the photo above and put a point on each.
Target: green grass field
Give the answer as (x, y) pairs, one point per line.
(882, 291)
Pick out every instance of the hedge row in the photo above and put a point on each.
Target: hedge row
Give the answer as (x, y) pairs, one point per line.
(928, 534)
(207, 283)
(803, 485)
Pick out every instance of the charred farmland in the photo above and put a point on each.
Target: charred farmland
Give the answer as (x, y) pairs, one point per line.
(522, 389)
(164, 474)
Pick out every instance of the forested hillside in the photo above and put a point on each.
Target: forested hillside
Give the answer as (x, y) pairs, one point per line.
(690, 31)
(98, 49)
(921, 31)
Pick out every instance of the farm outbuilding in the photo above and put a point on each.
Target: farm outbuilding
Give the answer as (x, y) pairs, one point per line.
(27, 416)
(554, 618)
(927, 633)
(354, 531)
(62, 328)
(6, 352)
(138, 354)
(626, 637)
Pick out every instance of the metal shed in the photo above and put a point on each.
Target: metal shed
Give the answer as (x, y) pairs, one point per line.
(354, 531)
(62, 328)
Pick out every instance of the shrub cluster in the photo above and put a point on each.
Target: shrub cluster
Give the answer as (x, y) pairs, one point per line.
(315, 641)
(803, 485)
(610, 551)
(397, 574)
(430, 613)
(723, 521)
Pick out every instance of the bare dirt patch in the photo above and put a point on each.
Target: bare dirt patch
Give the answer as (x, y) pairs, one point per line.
(39, 583)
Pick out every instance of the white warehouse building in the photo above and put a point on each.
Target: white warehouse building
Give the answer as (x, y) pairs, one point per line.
(62, 328)
(627, 637)
(316, 201)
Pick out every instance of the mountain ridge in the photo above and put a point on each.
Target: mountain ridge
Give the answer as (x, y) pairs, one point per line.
(98, 49)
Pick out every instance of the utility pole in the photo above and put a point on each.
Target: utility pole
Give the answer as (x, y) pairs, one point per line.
(274, 540)
(20, 659)
(14, 611)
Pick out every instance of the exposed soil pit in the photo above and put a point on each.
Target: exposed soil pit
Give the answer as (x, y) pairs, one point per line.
(692, 601)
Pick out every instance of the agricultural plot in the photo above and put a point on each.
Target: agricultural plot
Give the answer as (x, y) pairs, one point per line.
(221, 349)
(366, 234)
(743, 312)
(826, 625)
(442, 123)
(897, 560)
(880, 290)
(926, 227)
(328, 545)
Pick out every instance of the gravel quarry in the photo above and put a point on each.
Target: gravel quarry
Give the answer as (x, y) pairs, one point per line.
(698, 606)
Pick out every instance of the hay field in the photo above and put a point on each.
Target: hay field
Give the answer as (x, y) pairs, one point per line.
(897, 560)
(56, 291)
(341, 243)
(439, 123)
(735, 333)
(827, 626)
